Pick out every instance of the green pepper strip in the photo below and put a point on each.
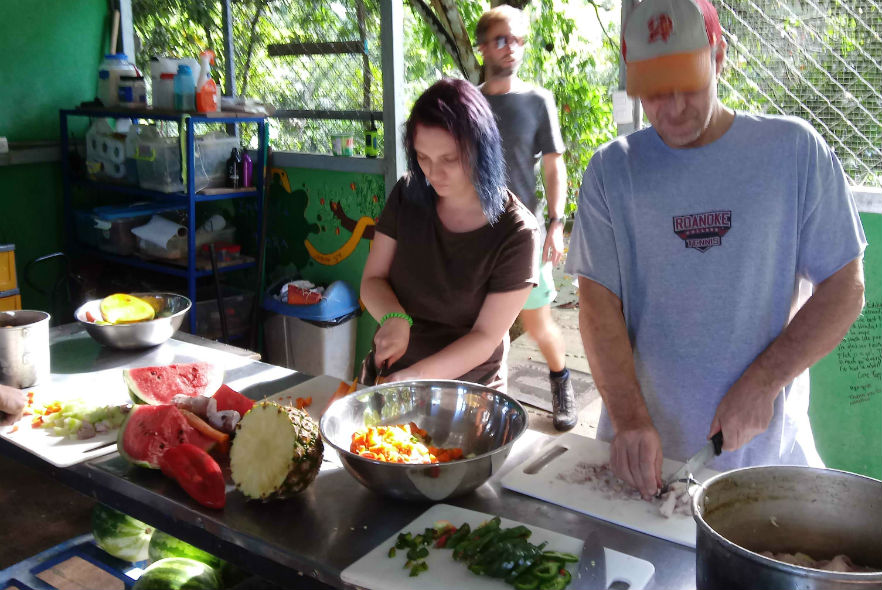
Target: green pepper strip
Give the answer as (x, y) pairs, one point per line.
(558, 556)
(546, 570)
(460, 535)
(559, 582)
(526, 582)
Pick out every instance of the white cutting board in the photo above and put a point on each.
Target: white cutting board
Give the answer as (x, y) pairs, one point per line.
(100, 388)
(321, 389)
(377, 571)
(634, 514)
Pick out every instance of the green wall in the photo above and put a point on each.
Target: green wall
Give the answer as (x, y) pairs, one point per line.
(846, 385)
(332, 211)
(51, 50)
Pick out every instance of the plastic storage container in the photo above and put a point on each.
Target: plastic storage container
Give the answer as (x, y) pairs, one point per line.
(110, 228)
(111, 69)
(159, 161)
(237, 309)
(177, 246)
(317, 339)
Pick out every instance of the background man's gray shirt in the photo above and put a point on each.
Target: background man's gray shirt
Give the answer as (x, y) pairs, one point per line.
(527, 120)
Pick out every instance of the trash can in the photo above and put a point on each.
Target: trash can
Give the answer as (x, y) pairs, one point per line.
(318, 339)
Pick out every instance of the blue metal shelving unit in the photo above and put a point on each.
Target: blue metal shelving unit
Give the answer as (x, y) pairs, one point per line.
(187, 123)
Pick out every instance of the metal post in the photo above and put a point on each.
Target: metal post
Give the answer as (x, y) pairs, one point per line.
(126, 29)
(392, 43)
(229, 50)
(636, 112)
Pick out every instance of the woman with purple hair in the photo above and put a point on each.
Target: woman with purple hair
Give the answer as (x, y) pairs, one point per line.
(453, 257)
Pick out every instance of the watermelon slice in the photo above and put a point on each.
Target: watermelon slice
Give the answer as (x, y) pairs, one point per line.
(230, 399)
(158, 385)
(149, 430)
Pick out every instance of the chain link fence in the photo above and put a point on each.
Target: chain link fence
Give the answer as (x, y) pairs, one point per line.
(817, 59)
(319, 64)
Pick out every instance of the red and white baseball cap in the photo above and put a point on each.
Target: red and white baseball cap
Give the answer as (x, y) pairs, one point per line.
(667, 46)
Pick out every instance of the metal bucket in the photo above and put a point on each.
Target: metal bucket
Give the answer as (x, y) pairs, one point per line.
(24, 348)
(787, 509)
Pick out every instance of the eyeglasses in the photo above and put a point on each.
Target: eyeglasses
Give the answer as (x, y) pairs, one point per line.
(508, 41)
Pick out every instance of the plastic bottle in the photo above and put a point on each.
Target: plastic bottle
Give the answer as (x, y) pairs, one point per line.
(162, 81)
(164, 92)
(131, 150)
(184, 89)
(206, 88)
(132, 92)
(109, 72)
(247, 169)
(234, 165)
(370, 140)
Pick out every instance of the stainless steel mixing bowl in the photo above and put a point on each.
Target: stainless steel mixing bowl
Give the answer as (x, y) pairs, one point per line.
(171, 309)
(482, 421)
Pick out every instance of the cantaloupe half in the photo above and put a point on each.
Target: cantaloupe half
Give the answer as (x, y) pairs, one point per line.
(121, 308)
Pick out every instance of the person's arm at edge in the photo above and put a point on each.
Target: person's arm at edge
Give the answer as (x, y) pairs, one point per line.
(379, 299)
(635, 453)
(554, 172)
(497, 314)
(815, 330)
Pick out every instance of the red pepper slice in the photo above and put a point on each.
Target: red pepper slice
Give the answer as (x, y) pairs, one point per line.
(197, 472)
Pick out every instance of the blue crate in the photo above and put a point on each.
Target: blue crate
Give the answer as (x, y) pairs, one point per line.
(23, 575)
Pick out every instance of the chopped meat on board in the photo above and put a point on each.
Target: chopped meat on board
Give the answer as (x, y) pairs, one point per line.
(601, 478)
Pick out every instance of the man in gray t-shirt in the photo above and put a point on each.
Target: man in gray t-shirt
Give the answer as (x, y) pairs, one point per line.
(692, 238)
(527, 120)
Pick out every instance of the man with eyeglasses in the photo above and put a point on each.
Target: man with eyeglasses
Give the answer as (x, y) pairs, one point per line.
(527, 119)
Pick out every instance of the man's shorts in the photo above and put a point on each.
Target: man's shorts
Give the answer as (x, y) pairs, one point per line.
(543, 293)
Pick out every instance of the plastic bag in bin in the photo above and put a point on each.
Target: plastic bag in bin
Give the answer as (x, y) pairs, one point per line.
(301, 293)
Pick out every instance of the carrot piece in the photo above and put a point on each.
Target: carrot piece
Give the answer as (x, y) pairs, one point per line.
(221, 438)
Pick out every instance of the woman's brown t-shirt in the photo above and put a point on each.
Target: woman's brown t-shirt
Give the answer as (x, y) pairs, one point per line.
(441, 278)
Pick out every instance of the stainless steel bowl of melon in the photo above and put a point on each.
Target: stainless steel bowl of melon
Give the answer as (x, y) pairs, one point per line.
(481, 421)
(170, 311)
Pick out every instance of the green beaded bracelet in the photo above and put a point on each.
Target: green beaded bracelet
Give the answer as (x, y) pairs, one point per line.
(396, 314)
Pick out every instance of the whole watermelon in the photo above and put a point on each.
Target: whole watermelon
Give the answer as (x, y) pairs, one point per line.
(163, 545)
(178, 573)
(119, 534)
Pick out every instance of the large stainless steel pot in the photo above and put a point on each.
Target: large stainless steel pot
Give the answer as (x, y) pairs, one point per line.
(787, 509)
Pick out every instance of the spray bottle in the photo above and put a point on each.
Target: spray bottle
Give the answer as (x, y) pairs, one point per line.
(206, 88)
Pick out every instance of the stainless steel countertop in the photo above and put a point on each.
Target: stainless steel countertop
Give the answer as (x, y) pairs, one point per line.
(336, 520)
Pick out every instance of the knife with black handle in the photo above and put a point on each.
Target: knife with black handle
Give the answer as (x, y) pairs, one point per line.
(712, 449)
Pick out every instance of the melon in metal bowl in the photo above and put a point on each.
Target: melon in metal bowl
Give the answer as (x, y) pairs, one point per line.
(171, 309)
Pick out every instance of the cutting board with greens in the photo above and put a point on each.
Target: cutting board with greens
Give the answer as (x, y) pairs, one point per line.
(452, 547)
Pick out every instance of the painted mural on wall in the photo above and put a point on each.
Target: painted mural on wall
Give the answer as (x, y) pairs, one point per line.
(320, 227)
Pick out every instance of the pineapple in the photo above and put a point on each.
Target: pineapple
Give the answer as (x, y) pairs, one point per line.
(277, 452)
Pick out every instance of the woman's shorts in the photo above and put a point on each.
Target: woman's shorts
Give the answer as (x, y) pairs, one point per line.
(543, 293)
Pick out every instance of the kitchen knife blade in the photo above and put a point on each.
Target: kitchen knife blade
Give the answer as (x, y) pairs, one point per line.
(713, 448)
(591, 573)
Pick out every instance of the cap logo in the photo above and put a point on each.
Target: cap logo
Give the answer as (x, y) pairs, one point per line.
(660, 28)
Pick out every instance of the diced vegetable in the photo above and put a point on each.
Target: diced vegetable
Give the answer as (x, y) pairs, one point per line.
(77, 419)
(491, 551)
(401, 443)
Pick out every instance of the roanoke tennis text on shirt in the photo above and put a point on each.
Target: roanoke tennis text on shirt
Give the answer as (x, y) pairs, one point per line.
(703, 230)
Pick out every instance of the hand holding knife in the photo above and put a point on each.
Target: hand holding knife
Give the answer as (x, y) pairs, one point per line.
(712, 449)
